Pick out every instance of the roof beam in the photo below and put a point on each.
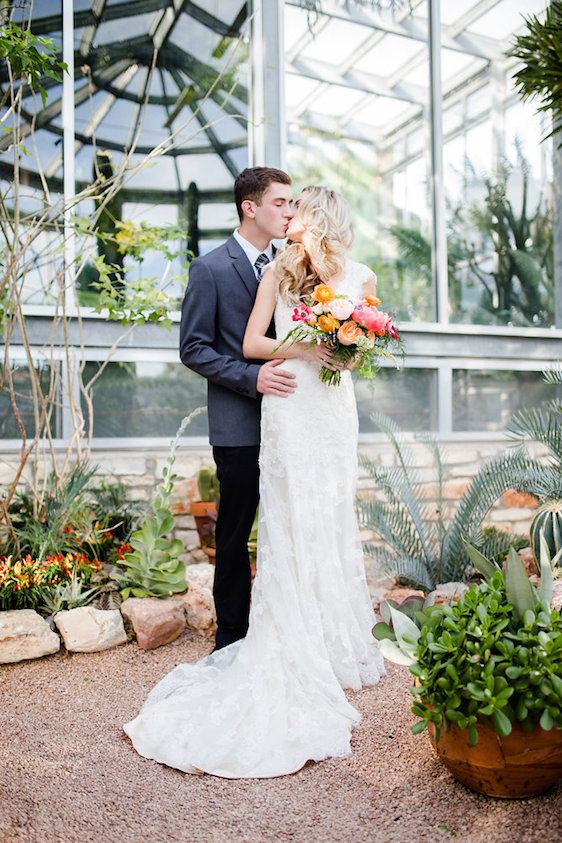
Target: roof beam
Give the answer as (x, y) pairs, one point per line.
(359, 81)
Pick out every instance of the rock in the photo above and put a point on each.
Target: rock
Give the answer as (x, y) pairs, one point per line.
(202, 573)
(513, 499)
(155, 620)
(199, 608)
(25, 635)
(401, 593)
(556, 602)
(87, 630)
(446, 592)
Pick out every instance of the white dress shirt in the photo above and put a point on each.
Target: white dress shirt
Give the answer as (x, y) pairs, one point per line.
(250, 250)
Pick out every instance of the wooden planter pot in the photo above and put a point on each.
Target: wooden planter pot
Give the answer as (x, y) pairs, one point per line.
(522, 764)
(205, 514)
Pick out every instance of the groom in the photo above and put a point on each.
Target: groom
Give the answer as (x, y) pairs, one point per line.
(218, 301)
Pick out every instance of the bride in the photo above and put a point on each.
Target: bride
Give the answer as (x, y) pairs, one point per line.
(266, 704)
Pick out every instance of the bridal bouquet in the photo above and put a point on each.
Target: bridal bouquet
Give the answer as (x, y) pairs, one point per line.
(355, 331)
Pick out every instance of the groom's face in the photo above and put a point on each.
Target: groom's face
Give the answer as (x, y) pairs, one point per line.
(275, 211)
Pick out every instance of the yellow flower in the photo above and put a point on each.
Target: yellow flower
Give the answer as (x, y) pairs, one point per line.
(328, 323)
(322, 293)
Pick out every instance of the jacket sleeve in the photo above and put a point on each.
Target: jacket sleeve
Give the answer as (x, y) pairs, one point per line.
(198, 334)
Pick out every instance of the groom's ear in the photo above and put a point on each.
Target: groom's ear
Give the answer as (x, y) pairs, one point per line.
(248, 208)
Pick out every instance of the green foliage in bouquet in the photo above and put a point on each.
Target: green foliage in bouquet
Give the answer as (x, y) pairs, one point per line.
(153, 568)
(495, 654)
(423, 546)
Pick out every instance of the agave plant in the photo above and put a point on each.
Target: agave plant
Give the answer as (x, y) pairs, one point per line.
(422, 546)
(154, 568)
(67, 595)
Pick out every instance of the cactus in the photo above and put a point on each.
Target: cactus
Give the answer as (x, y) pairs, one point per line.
(208, 484)
(153, 568)
(548, 521)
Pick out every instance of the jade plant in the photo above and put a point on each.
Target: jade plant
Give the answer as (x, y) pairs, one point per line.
(496, 653)
(153, 568)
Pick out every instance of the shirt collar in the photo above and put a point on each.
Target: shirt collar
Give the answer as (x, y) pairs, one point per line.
(250, 250)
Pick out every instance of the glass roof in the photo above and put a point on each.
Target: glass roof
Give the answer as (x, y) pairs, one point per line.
(143, 69)
(380, 62)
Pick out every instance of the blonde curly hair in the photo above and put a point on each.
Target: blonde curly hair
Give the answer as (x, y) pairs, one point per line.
(329, 235)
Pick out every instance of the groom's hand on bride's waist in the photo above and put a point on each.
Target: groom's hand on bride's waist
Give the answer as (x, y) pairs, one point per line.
(273, 380)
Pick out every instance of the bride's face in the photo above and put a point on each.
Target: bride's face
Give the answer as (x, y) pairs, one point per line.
(296, 228)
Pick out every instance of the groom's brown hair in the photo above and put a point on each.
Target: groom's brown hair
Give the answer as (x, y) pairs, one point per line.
(253, 182)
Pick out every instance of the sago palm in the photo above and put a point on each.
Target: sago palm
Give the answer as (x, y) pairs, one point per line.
(421, 544)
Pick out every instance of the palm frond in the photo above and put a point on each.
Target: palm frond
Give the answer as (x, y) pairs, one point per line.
(493, 479)
(540, 424)
(392, 523)
(398, 489)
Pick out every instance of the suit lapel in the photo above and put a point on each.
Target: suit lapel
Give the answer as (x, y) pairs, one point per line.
(242, 266)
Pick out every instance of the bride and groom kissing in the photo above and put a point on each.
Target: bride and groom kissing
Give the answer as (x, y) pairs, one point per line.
(270, 697)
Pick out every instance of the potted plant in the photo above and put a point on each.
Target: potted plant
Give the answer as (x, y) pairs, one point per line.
(204, 510)
(488, 677)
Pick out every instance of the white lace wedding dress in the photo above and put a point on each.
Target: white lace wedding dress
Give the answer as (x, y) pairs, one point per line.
(265, 705)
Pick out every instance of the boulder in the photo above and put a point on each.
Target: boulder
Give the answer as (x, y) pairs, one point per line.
(87, 630)
(25, 635)
(446, 592)
(155, 620)
(199, 608)
(202, 574)
(400, 593)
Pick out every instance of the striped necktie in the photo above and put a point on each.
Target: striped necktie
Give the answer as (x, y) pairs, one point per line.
(260, 263)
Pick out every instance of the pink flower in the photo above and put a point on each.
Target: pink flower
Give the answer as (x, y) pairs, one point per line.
(371, 318)
(393, 332)
(303, 314)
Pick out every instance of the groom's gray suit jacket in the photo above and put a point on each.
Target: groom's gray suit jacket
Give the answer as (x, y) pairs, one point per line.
(217, 304)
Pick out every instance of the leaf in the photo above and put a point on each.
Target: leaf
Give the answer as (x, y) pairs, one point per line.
(501, 723)
(406, 631)
(382, 630)
(546, 585)
(546, 720)
(519, 590)
(393, 653)
(480, 562)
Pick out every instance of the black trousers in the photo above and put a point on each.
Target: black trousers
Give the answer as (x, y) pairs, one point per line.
(238, 475)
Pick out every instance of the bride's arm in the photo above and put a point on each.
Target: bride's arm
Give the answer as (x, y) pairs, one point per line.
(258, 346)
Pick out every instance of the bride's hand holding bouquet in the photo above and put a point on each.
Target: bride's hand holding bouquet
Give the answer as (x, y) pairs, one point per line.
(354, 334)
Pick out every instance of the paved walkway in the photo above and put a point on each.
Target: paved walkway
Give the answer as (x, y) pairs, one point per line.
(68, 773)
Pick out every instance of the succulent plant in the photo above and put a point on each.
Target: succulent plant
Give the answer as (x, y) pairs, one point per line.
(496, 653)
(208, 484)
(153, 568)
(67, 595)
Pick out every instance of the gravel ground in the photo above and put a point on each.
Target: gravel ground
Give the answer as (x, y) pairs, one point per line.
(68, 772)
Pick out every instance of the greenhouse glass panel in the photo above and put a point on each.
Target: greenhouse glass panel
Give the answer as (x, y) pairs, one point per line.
(143, 399)
(28, 401)
(497, 176)
(161, 105)
(408, 396)
(486, 400)
(357, 121)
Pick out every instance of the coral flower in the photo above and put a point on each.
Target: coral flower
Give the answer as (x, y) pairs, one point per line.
(372, 301)
(349, 333)
(327, 323)
(322, 293)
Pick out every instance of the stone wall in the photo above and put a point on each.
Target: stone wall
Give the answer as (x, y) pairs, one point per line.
(141, 470)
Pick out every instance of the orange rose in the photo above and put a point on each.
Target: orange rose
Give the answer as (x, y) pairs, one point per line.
(349, 333)
(372, 301)
(323, 293)
(328, 323)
